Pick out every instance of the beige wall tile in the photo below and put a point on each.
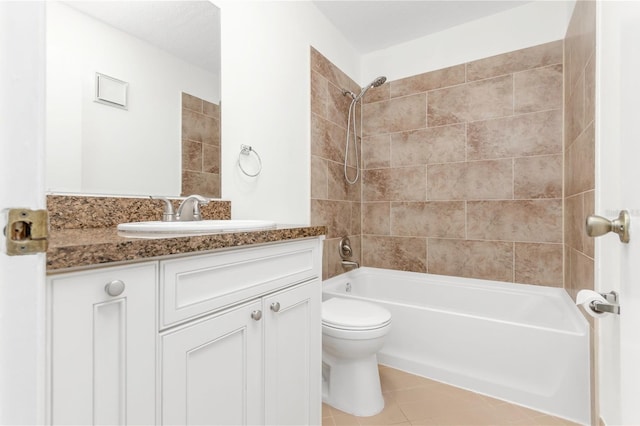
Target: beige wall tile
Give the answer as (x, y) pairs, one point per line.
(525, 221)
(200, 128)
(519, 60)
(205, 184)
(433, 145)
(395, 115)
(376, 151)
(332, 256)
(444, 77)
(539, 264)
(192, 102)
(356, 217)
(490, 260)
(319, 178)
(575, 112)
(377, 94)
(590, 90)
(328, 70)
(210, 109)
(580, 163)
(477, 180)
(211, 158)
(538, 177)
(401, 184)
(338, 187)
(538, 89)
(327, 139)
(441, 219)
(582, 273)
(335, 215)
(574, 226)
(580, 39)
(191, 156)
(338, 106)
(589, 208)
(399, 253)
(480, 100)
(519, 136)
(319, 94)
(376, 218)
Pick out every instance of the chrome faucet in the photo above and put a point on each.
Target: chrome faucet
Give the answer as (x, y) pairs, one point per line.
(190, 208)
(192, 205)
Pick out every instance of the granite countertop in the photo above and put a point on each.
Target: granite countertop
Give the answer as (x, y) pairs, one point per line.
(77, 248)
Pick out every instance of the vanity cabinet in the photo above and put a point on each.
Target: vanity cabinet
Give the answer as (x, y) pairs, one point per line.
(103, 346)
(258, 363)
(229, 337)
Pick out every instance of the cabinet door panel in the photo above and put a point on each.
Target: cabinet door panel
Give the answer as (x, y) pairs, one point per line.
(293, 338)
(103, 347)
(211, 370)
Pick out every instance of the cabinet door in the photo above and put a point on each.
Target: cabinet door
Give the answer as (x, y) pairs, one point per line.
(103, 347)
(293, 339)
(212, 370)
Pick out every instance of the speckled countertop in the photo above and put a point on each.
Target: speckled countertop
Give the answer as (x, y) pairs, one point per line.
(83, 232)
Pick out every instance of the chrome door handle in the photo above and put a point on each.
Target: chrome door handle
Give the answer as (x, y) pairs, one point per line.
(114, 288)
(256, 315)
(275, 307)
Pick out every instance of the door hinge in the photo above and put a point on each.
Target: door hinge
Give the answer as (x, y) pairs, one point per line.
(26, 231)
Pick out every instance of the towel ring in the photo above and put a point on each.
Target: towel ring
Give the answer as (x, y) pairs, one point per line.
(247, 150)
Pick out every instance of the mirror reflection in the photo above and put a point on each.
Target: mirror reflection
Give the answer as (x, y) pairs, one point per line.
(133, 98)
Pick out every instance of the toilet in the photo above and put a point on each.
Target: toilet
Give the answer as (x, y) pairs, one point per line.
(353, 331)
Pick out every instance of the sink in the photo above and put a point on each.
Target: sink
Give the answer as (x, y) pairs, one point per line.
(158, 229)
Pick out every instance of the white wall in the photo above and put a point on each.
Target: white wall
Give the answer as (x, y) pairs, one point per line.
(93, 148)
(266, 102)
(534, 23)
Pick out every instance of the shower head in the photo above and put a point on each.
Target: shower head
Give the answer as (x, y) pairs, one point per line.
(379, 81)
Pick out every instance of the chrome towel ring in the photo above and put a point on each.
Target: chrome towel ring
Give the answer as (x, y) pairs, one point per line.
(246, 150)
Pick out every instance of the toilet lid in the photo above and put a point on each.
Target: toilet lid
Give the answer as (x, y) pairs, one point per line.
(356, 314)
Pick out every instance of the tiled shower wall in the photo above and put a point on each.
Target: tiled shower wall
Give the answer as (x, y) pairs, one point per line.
(579, 164)
(462, 168)
(200, 147)
(334, 203)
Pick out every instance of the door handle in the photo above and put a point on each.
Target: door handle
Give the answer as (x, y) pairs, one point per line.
(598, 225)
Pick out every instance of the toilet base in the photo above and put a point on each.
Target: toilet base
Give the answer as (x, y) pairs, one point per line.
(352, 385)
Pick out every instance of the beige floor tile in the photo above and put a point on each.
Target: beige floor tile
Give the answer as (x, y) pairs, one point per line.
(391, 379)
(326, 410)
(390, 415)
(328, 421)
(345, 420)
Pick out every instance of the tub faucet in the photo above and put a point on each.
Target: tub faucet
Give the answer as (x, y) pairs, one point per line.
(190, 208)
(350, 263)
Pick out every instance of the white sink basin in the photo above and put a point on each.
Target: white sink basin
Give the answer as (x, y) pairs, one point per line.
(157, 229)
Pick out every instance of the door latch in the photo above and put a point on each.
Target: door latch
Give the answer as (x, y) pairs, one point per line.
(26, 231)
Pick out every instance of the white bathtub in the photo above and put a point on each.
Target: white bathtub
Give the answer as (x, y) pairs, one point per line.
(525, 344)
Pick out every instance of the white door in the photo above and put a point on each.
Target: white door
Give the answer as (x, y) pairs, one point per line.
(22, 297)
(617, 188)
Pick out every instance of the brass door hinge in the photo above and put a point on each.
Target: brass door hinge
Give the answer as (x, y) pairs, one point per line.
(27, 231)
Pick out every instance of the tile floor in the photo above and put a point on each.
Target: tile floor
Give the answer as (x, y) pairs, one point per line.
(413, 400)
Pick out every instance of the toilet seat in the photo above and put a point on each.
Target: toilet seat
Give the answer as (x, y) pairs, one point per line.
(353, 315)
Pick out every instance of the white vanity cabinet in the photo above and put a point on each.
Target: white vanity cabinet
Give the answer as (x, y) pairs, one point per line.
(247, 345)
(229, 337)
(102, 346)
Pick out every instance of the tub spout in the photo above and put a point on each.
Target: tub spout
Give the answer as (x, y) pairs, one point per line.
(350, 263)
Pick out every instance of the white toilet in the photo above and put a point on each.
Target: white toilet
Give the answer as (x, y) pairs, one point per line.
(352, 333)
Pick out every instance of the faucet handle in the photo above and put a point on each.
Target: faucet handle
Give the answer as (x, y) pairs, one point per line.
(169, 214)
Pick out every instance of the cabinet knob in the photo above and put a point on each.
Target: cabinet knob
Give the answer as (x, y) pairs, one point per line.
(114, 288)
(256, 315)
(275, 306)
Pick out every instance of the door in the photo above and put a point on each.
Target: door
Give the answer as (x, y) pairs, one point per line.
(22, 295)
(617, 188)
(293, 346)
(211, 370)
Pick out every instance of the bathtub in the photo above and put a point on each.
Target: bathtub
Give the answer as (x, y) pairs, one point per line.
(525, 344)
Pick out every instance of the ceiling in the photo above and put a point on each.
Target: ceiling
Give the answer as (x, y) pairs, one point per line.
(189, 30)
(374, 25)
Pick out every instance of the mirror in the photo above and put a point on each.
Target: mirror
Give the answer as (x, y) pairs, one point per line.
(133, 94)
